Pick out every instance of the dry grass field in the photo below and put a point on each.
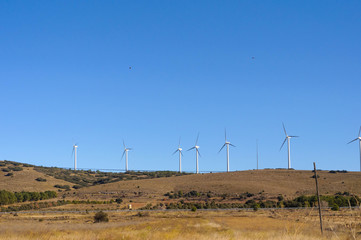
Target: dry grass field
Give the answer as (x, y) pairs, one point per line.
(232, 224)
(25, 181)
(56, 223)
(289, 183)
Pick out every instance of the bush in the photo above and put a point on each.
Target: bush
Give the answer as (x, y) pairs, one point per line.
(9, 174)
(143, 214)
(39, 179)
(101, 217)
(335, 207)
(27, 165)
(16, 168)
(119, 200)
(66, 187)
(194, 209)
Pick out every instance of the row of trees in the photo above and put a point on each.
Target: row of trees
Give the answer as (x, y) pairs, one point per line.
(303, 201)
(7, 197)
(32, 206)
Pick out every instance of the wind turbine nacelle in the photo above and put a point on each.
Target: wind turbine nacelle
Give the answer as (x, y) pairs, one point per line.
(180, 149)
(197, 147)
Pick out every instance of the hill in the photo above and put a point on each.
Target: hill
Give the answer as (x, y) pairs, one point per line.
(271, 183)
(18, 177)
(142, 186)
(26, 177)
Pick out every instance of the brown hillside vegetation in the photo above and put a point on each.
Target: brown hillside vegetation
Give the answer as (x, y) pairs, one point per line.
(25, 181)
(271, 182)
(233, 224)
(289, 183)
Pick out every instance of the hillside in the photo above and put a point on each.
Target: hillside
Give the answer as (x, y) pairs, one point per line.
(18, 177)
(136, 185)
(15, 176)
(289, 183)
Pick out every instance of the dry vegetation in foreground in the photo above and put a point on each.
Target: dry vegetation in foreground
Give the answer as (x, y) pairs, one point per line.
(280, 224)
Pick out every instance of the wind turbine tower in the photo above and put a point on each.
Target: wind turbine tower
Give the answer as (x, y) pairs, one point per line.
(179, 149)
(125, 152)
(75, 148)
(288, 139)
(257, 152)
(196, 147)
(226, 144)
(358, 138)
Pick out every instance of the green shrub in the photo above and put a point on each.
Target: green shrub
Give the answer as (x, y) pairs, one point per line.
(335, 207)
(39, 179)
(101, 217)
(27, 165)
(194, 209)
(10, 174)
(66, 187)
(16, 168)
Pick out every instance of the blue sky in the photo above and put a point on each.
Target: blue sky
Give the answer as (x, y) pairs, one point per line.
(196, 66)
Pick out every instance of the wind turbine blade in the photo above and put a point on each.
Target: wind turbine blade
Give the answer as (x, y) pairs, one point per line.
(359, 132)
(232, 145)
(123, 153)
(181, 153)
(284, 129)
(199, 153)
(129, 149)
(175, 151)
(225, 135)
(179, 142)
(72, 152)
(352, 140)
(124, 145)
(191, 148)
(294, 136)
(197, 139)
(221, 148)
(283, 143)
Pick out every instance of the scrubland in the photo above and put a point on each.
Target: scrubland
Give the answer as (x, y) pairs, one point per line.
(227, 224)
(80, 194)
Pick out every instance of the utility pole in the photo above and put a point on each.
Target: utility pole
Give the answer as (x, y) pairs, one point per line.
(318, 197)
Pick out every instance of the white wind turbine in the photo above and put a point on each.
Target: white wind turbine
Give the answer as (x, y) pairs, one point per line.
(197, 153)
(179, 149)
(75, 148)
(226, 144)
(288, 139)
(125, 152)
(358, 138)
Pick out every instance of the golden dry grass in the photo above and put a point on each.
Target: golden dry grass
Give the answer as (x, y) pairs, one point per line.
(25, 181)
(281, 224)
(290, 183)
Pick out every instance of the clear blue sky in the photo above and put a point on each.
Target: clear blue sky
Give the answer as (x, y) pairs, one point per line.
(65, 78)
